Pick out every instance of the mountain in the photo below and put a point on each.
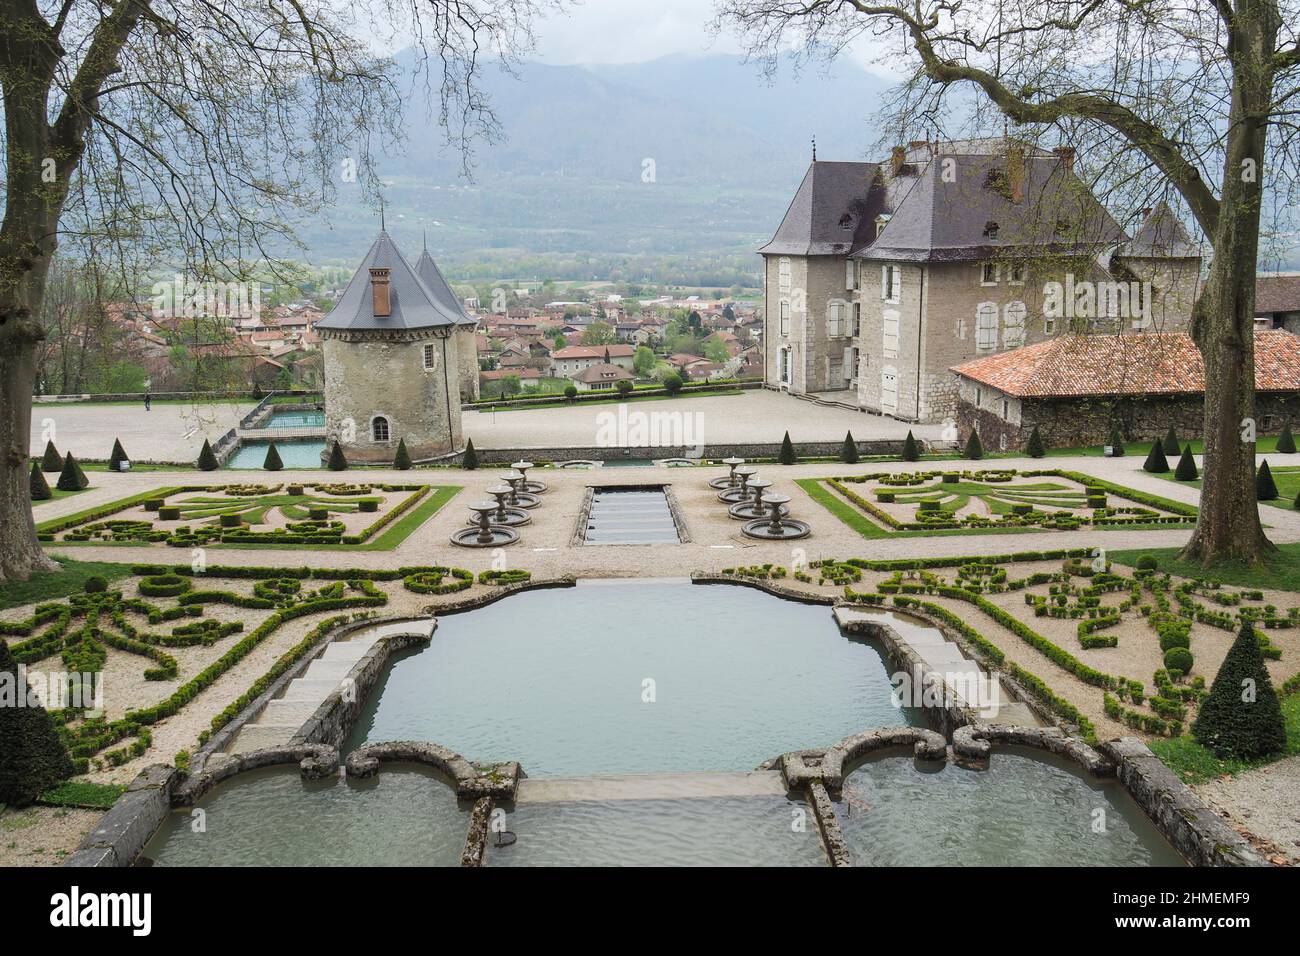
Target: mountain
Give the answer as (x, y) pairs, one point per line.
(675, 167)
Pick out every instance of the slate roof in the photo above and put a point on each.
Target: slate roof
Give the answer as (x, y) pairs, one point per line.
(940, 221)
(602, 372)
(1277, 293)
(832, 213)
(413, 304)
(1160, 236)
(613, 350)
(1139, 363)
(432, 277)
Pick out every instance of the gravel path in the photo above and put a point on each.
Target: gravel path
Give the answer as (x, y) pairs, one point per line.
(1265, 801)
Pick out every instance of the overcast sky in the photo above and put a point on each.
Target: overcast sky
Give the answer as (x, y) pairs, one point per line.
(629, 31)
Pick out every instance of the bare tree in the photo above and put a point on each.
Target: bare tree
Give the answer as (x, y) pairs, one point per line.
(192, 130)
(1201, 96)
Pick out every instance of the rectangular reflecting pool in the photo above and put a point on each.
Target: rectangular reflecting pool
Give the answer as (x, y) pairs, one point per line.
(294, 454)
(630, 516)
(633, 677)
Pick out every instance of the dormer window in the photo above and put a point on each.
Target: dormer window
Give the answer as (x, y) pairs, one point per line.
(990, 230)
(846, 221)
(881, 222)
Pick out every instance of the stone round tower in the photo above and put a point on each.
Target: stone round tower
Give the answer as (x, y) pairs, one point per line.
(392, 371)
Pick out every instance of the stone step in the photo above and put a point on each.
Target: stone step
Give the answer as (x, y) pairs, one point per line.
(346, 651)
(328, 670)
(258, 736)
(284, 712)
(303, 689)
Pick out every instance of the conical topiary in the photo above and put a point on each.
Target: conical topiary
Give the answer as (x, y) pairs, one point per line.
(1265, 486)
(52, 461)
(33, 759)
(1034, 447)
(1285, 442)
(470, 460)
(1296, 504)
(117, 457)
(1116, 441)
(1186, 470)
(1171, 442)
(974, 447)
(849, 453)
(402, 460)
(71, 478)
(910, 450)
(787, 455)
(40, 488)
(1241, 716)
(1156, 462)
(207, 460)
(272, 461)
(338, 461)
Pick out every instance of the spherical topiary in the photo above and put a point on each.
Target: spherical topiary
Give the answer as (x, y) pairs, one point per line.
(95, 584)
(1147, 562)
(1178, 659)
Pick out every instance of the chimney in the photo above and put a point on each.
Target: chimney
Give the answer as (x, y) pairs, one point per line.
(1016, 173)
(379, 292)
(1066, 156)
(897, 157)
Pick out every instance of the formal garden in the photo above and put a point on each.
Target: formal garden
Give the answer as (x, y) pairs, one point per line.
(981, 501)
(269, 515)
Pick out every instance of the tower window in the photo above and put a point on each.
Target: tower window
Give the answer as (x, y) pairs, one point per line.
(428, 357)
(379, 428)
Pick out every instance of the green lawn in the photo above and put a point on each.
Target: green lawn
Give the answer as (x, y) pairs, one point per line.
(59, 493)
(1282, 572)
(1195, 764)
(74, 793)
(48, 585)
(1264, 445)
(612, 400)
(1286, 477)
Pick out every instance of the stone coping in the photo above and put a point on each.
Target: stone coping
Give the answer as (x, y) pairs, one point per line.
(1196, 831)
(315, 761)
(499, 593)
(974, 742)
(496, 781)
(800, 768)
(131, 822)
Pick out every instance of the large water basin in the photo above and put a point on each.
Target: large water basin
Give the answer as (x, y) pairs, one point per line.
(294, 454)
(634, 677)
(1029, 808)
(405, 816)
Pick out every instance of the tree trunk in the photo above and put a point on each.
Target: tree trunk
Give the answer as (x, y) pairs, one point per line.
(20, 553)
(1223, 322)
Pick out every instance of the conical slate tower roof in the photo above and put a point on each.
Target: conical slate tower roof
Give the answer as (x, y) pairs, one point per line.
(432, 277)
(1161, 236)
(413, 304)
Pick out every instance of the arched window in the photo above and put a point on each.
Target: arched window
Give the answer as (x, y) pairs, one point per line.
(379, 428)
